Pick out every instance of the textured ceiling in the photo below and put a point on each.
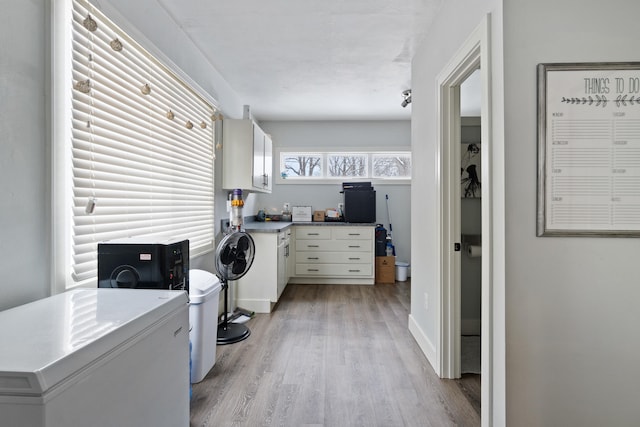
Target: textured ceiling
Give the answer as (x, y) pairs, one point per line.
(309, 59)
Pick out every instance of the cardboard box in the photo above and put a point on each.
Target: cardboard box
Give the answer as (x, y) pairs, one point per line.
(301, 213)
(318, 216)
(385, 269)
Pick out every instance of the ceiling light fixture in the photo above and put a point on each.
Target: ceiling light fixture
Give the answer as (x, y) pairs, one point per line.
(407, 98)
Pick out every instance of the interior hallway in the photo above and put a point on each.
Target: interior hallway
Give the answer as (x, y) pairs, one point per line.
(332, 355)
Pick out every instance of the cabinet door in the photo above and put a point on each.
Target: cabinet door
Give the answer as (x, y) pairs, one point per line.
(258, 157)
(268, 162)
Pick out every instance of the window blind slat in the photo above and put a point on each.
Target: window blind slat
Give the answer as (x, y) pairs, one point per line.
(111, 151)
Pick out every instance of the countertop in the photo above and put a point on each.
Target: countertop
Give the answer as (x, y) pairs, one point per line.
(278, 226)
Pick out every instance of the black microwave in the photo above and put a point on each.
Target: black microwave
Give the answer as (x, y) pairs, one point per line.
(136, 263)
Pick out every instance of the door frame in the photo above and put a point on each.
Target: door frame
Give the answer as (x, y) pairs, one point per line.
(473, 54)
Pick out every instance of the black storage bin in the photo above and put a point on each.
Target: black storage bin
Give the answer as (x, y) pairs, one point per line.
(381, 240)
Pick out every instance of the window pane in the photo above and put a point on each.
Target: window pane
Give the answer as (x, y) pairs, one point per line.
(299, 165)
(347, 165)
(392, 165)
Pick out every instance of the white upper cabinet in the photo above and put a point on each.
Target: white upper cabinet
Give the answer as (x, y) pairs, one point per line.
(247, 160)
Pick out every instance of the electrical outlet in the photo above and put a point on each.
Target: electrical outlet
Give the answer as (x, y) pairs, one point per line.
(426, 301)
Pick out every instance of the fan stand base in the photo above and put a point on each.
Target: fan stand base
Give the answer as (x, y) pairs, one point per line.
(230, 333)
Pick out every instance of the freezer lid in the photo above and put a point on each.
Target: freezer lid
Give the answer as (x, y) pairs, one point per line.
(46, 341)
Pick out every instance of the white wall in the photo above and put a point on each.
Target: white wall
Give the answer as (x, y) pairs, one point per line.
(571, 303)
(341, 134)
(455, 23)
(24, 165)
(25, 161)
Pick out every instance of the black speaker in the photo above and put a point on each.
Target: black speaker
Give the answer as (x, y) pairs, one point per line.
(134, 263)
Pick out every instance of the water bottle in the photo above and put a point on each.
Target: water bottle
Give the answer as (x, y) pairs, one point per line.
(389, 249)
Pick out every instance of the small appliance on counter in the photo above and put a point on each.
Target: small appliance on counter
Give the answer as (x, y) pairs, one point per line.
(144, 263)
(286, 212)
(359, 202)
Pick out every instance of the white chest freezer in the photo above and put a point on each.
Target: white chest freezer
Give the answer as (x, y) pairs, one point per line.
(96, 357)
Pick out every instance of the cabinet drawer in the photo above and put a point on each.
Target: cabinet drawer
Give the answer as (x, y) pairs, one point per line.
(333, 270)
(312, 257)
(334, 245)
(351, 233)
(313, 233)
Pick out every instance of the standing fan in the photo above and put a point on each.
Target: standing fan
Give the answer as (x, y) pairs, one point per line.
(234, 256)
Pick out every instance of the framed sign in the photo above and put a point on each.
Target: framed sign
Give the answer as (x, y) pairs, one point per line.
(589, 149)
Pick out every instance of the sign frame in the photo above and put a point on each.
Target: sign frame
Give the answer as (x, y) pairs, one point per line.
(579, 108)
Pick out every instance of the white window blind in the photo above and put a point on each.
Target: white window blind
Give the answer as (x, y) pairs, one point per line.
(141, 146)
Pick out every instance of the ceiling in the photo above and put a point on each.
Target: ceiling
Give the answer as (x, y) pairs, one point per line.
(309, 59)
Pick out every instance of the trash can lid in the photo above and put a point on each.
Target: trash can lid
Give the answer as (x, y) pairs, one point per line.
(202, 286)
(402, 264)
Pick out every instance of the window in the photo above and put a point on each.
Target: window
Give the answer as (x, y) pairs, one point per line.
(302, 165)
(134, 146)
(347, 165)
(388, 165)
(308, 167)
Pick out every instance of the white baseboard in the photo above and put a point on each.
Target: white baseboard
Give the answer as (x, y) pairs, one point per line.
(424, 343)
(257, 305)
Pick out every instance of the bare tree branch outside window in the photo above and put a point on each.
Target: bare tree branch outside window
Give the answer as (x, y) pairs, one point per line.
(354, 165)
(392, 165)
(299, 166)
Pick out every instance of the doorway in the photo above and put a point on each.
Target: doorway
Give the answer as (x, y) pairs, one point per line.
(471, 227)
(472, 56)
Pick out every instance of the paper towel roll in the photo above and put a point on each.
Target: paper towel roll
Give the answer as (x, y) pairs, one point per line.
(474, 251)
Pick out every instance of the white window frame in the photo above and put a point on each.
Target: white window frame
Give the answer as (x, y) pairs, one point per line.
(61, 134)
(324, 153)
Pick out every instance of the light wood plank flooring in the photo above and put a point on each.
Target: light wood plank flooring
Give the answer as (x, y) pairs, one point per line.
(332, 356)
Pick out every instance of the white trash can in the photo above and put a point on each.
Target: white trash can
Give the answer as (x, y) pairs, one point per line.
(204, 291)
(402, 269)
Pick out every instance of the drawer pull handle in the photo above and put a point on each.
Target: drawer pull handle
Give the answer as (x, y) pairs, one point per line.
(313, 234)
(353, 259)
(354, 246)
(315, 257)
(354, 271)
(354, 234)
(313, 246)
(312, 269)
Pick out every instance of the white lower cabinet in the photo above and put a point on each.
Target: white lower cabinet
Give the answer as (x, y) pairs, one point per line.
(334, 254)
(322, 255)
(260, 289)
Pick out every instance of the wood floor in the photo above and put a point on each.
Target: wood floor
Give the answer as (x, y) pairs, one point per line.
(332, 356)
